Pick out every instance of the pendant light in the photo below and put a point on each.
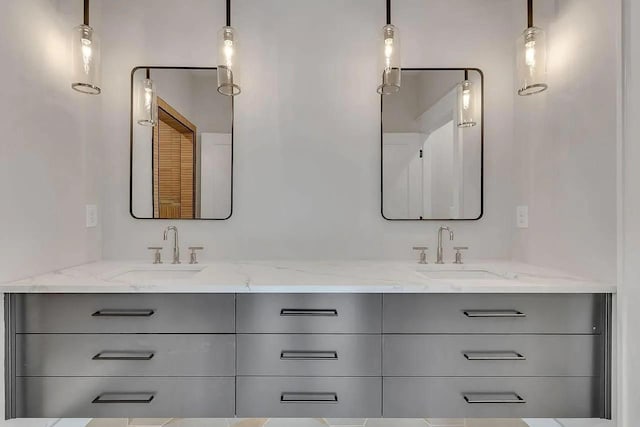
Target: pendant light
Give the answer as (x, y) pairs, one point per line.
(390, 59)
(532, 58)
(147, 101)
(227, 58)
(466, 102)
(85, 57)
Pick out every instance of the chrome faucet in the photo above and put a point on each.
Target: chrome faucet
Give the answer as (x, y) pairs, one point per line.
(176, 245)
(439, 256)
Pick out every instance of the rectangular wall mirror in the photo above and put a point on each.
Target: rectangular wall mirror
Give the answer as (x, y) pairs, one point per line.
(432, 146)
(181, 144)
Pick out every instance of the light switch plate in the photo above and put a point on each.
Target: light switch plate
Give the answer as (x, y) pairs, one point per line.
(522, 216)
(91, 216)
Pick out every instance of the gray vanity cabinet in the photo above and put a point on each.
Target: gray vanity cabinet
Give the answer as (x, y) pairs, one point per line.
(125, 313)
(309, 313)
(493, 397)
(492, 313)
(498, 356)
(126, 355)
(117, 355)
(109, 397)
(308, 355)
(317, 397)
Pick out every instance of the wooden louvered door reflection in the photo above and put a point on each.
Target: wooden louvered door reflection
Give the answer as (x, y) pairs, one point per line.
(174, 142)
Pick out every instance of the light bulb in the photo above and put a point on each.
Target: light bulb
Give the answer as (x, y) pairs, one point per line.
(228, 52)
(388, 51)
(530, 54)
(86, 54)
(148, 94)
(466, 98)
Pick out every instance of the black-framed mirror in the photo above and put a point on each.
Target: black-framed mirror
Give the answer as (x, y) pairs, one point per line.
(432, 142)
(181, 158)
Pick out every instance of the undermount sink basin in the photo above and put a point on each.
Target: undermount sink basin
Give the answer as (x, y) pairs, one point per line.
(156, 273)
(462, 274)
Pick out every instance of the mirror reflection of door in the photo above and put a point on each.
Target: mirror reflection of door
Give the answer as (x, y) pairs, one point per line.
(182, 168)
(174, 141)
(431, 165)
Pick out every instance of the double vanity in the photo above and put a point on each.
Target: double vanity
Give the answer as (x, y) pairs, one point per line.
(314, 339)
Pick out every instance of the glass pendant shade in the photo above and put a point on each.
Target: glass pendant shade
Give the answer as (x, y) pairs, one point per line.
(228, 62)
(390, 61)
(532, 62)
(466, 104)
(85, 60)
(147, 103)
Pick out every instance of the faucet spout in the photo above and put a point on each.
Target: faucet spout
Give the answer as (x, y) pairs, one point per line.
(176, 244)
(440, 252)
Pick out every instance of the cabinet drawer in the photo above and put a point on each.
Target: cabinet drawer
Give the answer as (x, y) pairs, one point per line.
(490, 397)
(491, 355)
(112, 355)
(124, 397)
(309, 313)
(309, 355)
(125, 313)
(309, 397)
(492, 313)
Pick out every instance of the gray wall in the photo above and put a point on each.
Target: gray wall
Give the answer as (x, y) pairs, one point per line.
(566, 143)
(49, 167)
(307, 130)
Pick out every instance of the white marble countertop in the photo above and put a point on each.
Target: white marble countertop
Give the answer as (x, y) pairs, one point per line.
(308, 277)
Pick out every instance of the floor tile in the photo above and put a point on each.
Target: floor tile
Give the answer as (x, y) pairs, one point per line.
(198, 422)
(346, 421)
(108, 422)
(149, 421)
(248, 422)
(449, 422)
(296, 422)
(396, 422)
(487, 422)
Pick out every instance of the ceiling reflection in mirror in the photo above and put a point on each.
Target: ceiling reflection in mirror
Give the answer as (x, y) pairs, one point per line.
(432, 146)
(181, 144)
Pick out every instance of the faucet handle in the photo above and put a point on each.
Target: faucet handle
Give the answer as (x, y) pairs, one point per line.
(459, 250)
(193, 258)
(157, 256)
(423, 254)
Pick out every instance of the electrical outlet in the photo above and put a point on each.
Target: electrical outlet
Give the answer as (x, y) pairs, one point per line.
(91, 216)
(522, 216)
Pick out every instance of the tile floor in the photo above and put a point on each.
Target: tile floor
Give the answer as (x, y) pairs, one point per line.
(302, 422)
(313, 422)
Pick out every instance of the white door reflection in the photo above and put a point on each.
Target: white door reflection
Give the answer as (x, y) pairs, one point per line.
(432, 168)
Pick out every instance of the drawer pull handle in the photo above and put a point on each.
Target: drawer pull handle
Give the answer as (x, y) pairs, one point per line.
(493, 398)
(493, 355)
(136, 397)
(134, 312)
(308, 355)
(331, 312)
(308, 397)
(493, 313)
(124, 355)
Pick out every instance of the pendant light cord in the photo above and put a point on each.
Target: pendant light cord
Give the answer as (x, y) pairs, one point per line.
(466, 74)
(228, 13)
(529, 13)
(148, 74)
(86, 12)
(388, 12)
